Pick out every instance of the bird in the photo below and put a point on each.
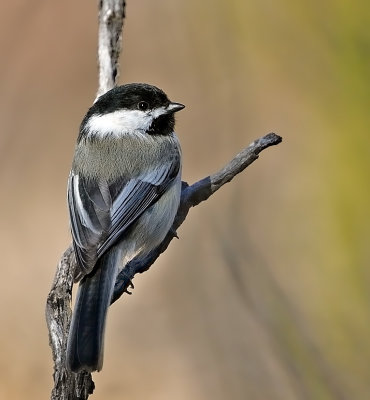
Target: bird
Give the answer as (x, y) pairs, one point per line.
(123, 193)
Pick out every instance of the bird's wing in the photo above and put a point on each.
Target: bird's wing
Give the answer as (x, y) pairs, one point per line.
(100, 212)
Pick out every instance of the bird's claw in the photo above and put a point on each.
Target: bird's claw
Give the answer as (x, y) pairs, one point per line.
(131, 285)
(174, 233)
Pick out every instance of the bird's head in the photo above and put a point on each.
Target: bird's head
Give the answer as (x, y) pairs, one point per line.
(135, 108)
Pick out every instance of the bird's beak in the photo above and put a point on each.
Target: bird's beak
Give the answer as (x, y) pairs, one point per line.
(170, 109)
(174, 107)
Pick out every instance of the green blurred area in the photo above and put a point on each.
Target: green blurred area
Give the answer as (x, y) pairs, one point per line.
(266, 295)
(310, 61)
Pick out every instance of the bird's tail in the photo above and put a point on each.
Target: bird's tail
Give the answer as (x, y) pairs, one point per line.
(85, 346)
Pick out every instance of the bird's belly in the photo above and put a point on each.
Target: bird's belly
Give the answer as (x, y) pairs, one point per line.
(152, 227)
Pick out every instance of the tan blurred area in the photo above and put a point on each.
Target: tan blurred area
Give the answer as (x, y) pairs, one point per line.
(266, 294)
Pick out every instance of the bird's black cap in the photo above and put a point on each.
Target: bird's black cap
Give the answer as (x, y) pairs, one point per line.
(128, 97)
(136, 96)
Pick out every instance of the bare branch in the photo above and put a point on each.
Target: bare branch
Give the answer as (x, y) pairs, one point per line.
(67, 385)
(111, 16)
(201, 190)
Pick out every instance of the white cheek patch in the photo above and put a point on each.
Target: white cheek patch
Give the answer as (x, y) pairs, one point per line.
(159, 111)
(119, 122)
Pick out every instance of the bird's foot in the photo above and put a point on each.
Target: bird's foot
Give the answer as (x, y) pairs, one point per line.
(130, 285)
(174, 233)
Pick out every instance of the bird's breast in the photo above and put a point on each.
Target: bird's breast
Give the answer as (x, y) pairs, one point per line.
(125, 157)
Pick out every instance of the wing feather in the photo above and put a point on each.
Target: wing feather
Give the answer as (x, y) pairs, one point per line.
(99, 220)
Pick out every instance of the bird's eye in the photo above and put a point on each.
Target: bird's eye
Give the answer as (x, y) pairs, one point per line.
(143, 105)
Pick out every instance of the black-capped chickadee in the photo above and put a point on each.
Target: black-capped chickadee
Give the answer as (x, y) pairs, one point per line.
(123, 194)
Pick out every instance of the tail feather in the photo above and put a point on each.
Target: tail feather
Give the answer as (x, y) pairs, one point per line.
(85, 346)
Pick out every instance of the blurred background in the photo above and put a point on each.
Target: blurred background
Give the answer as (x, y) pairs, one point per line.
(266, 294)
